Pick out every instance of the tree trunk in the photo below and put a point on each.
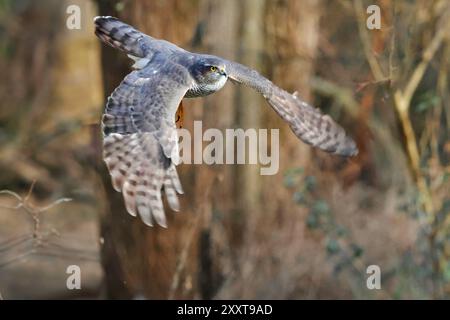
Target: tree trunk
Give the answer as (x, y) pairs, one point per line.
(219, 200)
(140, 261)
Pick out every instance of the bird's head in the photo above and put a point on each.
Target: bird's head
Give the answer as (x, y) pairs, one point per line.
(209, 70)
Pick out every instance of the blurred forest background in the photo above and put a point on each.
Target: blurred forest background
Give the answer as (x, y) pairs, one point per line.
(308, 232)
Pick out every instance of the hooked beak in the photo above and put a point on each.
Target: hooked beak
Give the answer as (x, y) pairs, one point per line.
(222, 72)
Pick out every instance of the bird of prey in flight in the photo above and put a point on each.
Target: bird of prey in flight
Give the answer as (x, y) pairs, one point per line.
(140, 144)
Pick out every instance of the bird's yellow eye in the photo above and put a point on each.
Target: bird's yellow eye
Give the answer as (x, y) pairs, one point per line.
(213, 69)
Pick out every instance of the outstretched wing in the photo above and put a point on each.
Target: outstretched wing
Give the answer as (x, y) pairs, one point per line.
(308, 123)
(140, 140)
(124, 37)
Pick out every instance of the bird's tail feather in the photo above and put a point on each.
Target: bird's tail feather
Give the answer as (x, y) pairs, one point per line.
(140, 177)
(121, 36)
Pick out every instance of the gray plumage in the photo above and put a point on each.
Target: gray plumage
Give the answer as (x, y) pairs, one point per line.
(140, 139)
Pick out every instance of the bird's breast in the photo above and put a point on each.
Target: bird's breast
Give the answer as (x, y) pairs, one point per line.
(202, 90)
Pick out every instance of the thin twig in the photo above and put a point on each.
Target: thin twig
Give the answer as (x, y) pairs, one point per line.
(27, 197)
(375, 67)
(17, 258)
(39, 237)
(428, 54)
(14, 242)
(51, 205)
(12, 194)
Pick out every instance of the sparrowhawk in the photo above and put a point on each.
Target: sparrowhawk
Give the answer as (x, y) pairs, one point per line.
(139, 132)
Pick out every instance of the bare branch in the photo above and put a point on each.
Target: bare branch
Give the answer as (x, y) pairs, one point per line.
(30, 191)
(12, 194)
(365, 40)
(51, 205)
(428, 54)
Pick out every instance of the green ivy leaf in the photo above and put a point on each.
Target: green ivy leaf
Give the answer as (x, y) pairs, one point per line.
(299, 197)
(333, 246)
(312, 222)
(426, 101)
(310, 183)
(357, 250)
(320, 207)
